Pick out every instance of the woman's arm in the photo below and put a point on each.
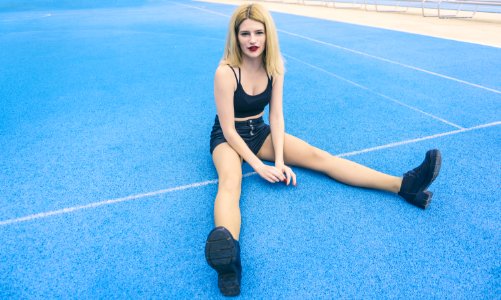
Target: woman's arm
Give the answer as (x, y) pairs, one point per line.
(277, 119)
(224, 87)
(277, 125)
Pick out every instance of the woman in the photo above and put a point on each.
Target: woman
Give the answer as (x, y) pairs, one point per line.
(250, 77)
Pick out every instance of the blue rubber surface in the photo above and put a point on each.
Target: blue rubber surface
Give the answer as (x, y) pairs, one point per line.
(107, 184)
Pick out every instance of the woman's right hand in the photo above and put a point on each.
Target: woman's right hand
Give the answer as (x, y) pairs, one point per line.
(270, 173)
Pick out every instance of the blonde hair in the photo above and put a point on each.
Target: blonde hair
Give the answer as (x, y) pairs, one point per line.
(272, 59)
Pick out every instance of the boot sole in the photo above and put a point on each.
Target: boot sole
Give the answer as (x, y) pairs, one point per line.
(221, 255)
(423, 197)
(436, 162)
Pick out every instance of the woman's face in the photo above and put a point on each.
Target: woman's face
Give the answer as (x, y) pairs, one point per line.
(252, 38)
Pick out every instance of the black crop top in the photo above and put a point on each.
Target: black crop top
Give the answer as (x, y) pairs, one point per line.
(246, 105)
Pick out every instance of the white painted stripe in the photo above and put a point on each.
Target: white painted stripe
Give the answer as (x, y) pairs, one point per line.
(111, 201)
(374, 92)
(392, 145)
(208, 182)
(392, 62)
(27, 18)
(418, 110)
(205, 10)
(105, 202)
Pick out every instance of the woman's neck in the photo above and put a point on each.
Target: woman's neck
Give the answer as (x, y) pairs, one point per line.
(252, 64)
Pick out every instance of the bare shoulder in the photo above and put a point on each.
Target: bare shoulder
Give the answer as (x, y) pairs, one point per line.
(224, 77)
(223, 72)
(278, 79)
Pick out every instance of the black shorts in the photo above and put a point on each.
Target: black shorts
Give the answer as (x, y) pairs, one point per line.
(253, 132)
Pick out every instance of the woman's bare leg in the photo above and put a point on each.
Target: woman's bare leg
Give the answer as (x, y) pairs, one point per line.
(226, 207)
(299, 153)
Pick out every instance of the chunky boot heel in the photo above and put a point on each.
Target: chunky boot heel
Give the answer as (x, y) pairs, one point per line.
(229, 283)
(222, 253)
(416, 181)
(423, 199)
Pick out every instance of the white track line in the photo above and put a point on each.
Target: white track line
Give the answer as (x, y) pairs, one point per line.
(26, 18)
(205, 10)
(374, 92)
(392, 62)
(209, 182)
(105, 202)
(392, 145)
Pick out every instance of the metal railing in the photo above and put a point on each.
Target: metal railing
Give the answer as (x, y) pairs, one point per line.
(440, 8)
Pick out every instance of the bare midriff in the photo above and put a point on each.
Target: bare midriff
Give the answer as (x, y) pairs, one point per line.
(249, 118)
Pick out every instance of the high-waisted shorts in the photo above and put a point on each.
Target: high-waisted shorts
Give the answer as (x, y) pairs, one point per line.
(253, 132)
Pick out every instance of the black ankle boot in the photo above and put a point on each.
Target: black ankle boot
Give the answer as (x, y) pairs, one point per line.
(222, 253)
(416, 181)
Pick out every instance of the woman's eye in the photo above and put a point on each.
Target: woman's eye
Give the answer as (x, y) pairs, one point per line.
(260, 32)
(244, 33)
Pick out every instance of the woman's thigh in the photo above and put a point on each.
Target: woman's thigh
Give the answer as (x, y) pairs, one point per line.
(296, 153)
(228, 162)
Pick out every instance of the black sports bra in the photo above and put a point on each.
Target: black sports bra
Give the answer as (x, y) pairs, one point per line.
(246, 105)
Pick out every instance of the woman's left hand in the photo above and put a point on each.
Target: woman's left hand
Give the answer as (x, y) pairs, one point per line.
(289, 174)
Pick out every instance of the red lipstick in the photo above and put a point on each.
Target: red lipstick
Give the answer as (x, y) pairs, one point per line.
(253, 48)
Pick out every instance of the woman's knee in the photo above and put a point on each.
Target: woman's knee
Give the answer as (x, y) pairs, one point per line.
(314, 154)
(229, 168)
(316, 158)
(230, 183)
(319, 154)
